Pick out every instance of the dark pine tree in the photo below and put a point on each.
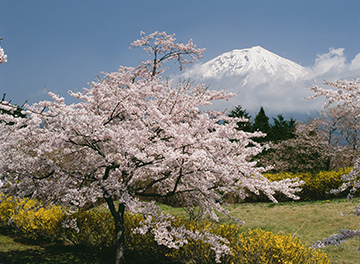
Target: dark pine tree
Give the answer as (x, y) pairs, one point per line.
(282, 129)
(261, 123)
(238, 112)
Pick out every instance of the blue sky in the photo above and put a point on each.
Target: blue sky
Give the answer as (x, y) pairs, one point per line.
(63, 44)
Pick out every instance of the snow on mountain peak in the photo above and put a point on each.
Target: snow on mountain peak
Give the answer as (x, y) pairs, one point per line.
(251, 61)
(258, 77)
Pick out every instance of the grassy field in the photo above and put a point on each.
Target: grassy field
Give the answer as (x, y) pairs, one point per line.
(310, 221)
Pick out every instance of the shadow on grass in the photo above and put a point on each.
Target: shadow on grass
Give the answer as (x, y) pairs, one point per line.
(56, 255)
(69, 255)
(19, 250)
(15, 249)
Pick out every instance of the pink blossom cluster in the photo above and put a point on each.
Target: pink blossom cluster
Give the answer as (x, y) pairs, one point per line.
(167, 234)
(340, 92)
(163, 47)
(3, 56)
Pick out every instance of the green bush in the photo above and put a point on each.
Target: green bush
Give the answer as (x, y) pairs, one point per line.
(95, 228)
(90, 229)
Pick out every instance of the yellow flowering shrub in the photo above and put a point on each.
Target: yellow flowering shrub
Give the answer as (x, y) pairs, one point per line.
(317, 185)
(36, 221)
(31, 218)
(7, 209)
(259, 246)
(90, 228)
(253, 246)
(94, 228)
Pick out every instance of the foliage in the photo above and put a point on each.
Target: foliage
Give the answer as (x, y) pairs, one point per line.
(91, 230)
(253, 246)
(317, 185)
(244, 124)
(282, 129)
(279, 129)
(329, 141)
(261, 123)
(31, 218)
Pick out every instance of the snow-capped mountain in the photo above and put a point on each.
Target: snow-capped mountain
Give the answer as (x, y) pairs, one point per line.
(246, 62)
(259, 78)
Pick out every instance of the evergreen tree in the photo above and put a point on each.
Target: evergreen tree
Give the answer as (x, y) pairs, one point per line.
(261, 123)
(239, 112)
(282, 129)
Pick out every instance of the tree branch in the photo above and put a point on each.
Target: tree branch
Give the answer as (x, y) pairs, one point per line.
(44, 177)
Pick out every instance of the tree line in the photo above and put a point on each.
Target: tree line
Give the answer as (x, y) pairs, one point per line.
(279, 129)
(327, 142)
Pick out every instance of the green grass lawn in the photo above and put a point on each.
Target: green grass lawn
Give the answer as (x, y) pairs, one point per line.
(310, 221)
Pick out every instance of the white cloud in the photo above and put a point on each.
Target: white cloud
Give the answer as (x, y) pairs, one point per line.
(333, 60)
(333, 65)
(355, 64)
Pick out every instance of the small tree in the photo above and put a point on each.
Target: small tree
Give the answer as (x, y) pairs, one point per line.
(282, 129)
(315, 147)
(244, 116)
(345, 95)
(261, 123)
(307, 151)
(133, 135)
(340, 132)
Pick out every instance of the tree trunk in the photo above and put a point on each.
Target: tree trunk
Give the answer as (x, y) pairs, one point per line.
(118, 216)
(120, 236)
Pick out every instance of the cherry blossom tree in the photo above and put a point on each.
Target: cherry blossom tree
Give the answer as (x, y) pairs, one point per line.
(307, 151)
(134, 135)
(316, 146)
(344, 96)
